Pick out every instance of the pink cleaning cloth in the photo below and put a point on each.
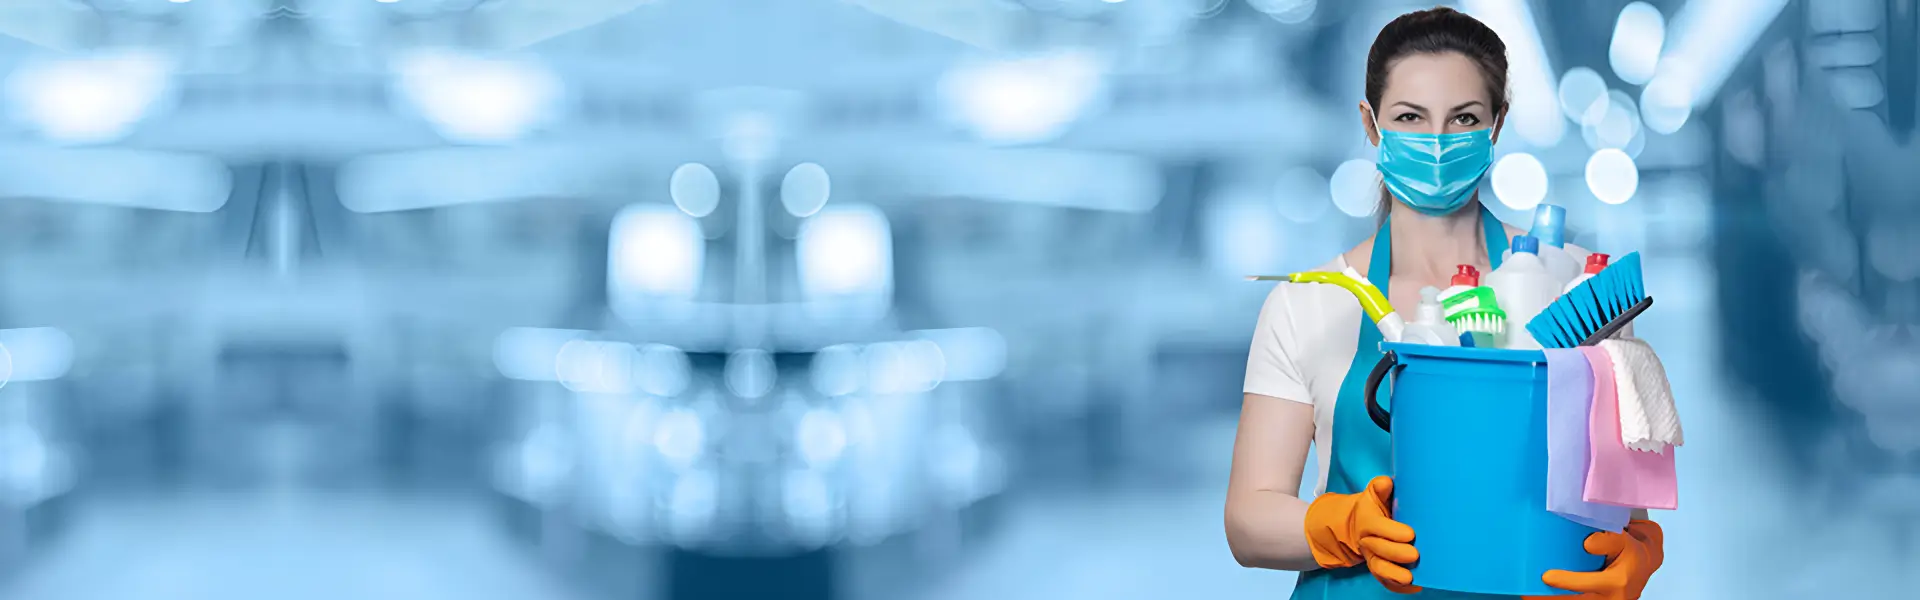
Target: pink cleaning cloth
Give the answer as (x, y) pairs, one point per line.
(1619, 475)
(1569, 405)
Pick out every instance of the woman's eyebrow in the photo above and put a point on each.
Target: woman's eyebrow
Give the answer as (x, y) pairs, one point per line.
(1415, 107)
(1464, 106)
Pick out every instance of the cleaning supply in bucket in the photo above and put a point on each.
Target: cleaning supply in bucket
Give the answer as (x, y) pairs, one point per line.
(1649, 422)
(1392, 325)
(1524, 288)
(1595, 309)
(1549, 226)
(1477, 312)
(1428, 327)
(1596, 263)
(1472, 298)
(1569, 448)
(1619, 475)
(1465, 278)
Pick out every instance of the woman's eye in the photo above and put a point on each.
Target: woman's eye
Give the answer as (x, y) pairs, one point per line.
(1466, 120)
(1407, 118)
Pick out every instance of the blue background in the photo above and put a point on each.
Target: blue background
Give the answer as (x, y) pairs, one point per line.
(867, 299)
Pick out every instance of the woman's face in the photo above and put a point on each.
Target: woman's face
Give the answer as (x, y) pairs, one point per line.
(1433, 93)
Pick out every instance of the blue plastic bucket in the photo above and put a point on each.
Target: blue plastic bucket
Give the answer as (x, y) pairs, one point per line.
(1469, 432)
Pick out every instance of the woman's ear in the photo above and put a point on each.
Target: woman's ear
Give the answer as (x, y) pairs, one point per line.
(1499, 121)
(1367, 123)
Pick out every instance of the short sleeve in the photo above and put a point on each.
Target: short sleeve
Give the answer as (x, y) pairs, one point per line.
(1271, 367)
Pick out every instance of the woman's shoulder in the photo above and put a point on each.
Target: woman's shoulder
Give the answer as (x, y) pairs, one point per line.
(1305, 303)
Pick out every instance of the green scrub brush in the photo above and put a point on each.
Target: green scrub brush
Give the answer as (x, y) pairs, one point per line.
(1594, 310)
(1477, 312)
(1477, 297)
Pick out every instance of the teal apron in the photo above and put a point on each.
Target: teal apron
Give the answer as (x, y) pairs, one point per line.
(1360, 448)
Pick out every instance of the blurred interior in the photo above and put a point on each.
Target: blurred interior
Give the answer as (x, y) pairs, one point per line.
(866, 299)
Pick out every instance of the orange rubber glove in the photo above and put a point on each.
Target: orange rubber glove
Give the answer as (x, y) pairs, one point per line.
(1349, 529)
(1632, 557)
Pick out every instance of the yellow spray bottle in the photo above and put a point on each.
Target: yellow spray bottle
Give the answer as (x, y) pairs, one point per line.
(1391, 325)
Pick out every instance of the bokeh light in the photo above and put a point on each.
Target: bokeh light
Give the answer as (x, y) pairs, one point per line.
(838, 370)
(1520, 181)
(1612, 176)
(681, 437)
(821, 437)
(1291, 12)
(1355, 187)
(1665, 105)
(695, 189)
(750, 373)
(1638, 37)
(1611, 122)
(1580, 87)
(805, 189)
(655, 251)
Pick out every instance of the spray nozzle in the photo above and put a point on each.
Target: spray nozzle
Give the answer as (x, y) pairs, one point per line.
(1429, 305)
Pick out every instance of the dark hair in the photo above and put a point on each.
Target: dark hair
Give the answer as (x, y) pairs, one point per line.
(1437, 30)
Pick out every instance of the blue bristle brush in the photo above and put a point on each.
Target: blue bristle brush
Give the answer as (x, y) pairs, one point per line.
(1596, 309)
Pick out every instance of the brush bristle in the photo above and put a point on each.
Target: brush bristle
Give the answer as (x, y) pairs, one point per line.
(1588, 307)
(1479, 323)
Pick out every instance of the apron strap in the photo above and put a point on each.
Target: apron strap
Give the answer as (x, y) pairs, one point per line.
(1496, 235)
(1380, 267)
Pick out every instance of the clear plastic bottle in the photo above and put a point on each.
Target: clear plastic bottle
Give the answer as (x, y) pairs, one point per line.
(1524, 288)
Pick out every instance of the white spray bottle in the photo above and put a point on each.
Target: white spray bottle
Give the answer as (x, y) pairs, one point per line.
(1430, 327)
(1524, 289)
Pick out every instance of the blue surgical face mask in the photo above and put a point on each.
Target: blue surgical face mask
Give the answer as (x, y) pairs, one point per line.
(1434, 173)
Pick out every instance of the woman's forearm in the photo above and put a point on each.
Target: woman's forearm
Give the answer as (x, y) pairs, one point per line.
(1267, 530)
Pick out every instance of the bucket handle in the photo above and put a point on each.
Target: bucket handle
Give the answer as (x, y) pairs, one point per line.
(1380, 415)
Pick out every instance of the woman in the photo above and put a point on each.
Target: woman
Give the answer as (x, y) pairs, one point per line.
(1435, 100)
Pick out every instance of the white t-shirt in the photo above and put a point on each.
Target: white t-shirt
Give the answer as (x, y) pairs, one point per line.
(1305, 340)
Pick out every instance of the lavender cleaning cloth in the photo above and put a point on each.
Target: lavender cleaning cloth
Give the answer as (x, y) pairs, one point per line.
(1569, 445)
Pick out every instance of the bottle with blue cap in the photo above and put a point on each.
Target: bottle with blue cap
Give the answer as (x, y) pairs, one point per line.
(1524, 288)
(1550, 227)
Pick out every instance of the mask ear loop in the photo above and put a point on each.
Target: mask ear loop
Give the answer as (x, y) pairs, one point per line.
(1379, 134)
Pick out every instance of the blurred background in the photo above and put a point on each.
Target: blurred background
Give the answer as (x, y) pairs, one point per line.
(866, 299)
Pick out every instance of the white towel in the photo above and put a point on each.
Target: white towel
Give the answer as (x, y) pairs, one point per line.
(1649, 422)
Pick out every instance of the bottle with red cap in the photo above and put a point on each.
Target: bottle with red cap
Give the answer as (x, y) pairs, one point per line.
(1465, 279)
(1596, 263)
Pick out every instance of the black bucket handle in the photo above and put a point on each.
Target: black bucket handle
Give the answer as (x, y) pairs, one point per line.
(1380, 415)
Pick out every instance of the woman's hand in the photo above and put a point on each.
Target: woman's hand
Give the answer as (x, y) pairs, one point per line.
(1632, 557)
(1345, 530)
